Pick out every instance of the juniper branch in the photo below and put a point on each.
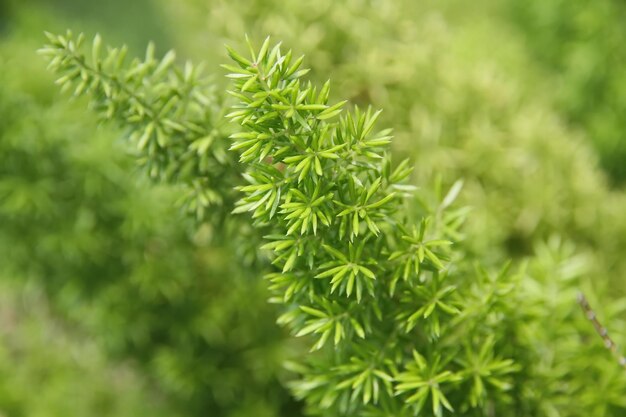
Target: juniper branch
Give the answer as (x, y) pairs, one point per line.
(173, 115)
(353, 267)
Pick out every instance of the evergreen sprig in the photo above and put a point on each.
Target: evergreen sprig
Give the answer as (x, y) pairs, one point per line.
(356, 273)
(173, 114)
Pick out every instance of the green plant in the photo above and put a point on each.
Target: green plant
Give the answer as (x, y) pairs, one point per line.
(580, 46)
(417, 324)
(396, 350)
(172, 115)
(61, 361)
(118, 264)
(461, 105)
(351, 264)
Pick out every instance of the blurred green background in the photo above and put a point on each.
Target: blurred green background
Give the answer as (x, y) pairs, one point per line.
(113, 304)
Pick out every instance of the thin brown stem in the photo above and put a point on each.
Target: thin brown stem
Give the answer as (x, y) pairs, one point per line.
(600, 329)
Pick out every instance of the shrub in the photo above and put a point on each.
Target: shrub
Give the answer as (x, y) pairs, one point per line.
(417, 326)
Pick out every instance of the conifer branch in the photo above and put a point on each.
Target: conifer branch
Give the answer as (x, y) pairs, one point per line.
(355, 271)
(173, 115)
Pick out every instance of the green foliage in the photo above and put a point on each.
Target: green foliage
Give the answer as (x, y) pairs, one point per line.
(396, 348)
(480, 111)
(581, 45)
(172, 114)
(115, 259)
(42, 353)
(435, 325)
(400, 321)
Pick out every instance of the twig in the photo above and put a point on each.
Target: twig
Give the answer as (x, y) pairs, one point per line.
(600, 329)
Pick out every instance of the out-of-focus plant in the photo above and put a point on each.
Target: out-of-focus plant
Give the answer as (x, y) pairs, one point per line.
(116, 259)
(70, 373)
(582, 46)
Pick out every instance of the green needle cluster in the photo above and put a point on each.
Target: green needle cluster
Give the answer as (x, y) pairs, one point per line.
(401, 315)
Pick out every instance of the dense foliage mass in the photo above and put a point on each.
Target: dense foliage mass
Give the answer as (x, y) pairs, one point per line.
(451, 285)
(416, 326)
(61, 362)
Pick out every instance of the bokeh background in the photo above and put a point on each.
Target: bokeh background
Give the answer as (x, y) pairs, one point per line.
(112, 303)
